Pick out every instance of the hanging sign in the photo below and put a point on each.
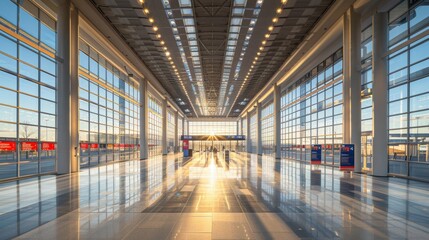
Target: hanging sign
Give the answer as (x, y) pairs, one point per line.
(48, 146)
(347, 158)
(28, 146)
(316, 154)
(7, 146)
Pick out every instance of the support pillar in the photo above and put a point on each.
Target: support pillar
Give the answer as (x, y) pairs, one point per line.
(176, 132)
(277, 136)
(74, 89)
(380, 94)
(259, 128)
(64, 148)
(248, 140)
(164, 127)
(144, 120)
(352, 83)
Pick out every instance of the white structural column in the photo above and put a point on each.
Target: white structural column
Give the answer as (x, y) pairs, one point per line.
(164, 127)
(380, 93)
(259, 128)
(64, 147)
(276, 127)
(352, 83)
(144, 120)
(248, 140)
(74, 89)
(176, 132)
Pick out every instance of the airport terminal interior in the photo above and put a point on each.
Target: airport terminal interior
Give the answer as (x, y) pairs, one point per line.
(214, 119)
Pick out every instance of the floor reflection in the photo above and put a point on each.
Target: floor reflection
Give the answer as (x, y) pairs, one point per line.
(245, 197)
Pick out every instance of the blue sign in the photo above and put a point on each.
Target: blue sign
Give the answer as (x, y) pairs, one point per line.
(316, 154)
(347, 158)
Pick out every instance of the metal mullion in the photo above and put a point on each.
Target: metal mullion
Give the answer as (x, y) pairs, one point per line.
(18, 167)
(39, 96)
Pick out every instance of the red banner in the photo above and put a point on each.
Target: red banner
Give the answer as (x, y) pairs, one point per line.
(7, 146)
(48, 146)
(28, 146)
(84, 146)
(185, 144)
(94, 145)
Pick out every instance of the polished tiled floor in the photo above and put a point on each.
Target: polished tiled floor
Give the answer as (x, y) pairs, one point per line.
(205, 198)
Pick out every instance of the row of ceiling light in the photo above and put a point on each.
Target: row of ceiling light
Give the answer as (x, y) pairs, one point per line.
(279, 10)
(166, 52)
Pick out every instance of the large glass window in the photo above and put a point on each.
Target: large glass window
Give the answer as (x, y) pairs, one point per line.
(28, 76)
(311, 112)
(171, 128)
(366, 99)
(267, 128)
(254, 132)
(155, 126)
(244, 132)
(212, 128)
(409, 90)
(109, 111)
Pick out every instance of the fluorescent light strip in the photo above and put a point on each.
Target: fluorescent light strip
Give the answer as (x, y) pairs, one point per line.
(189, 23)
(234, 31)
(270, 29)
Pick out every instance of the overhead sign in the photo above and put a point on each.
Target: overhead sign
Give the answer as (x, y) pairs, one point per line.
(7, 146)
(347, 157)
(213, 137)
(28, 146)
(48, 146)
(316, 154)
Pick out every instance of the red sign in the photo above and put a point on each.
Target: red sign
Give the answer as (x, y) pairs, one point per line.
(7, 146)
(94, 145)
(185, 144)
(28, 146)
(48, 146)
(84, 146)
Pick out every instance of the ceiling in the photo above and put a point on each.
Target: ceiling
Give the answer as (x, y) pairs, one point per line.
(213, 56)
